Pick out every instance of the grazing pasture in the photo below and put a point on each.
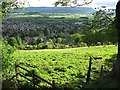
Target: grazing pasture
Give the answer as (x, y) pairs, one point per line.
(68, 67)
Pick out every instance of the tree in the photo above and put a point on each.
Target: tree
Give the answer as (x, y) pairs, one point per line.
(118, 27)
(74, 39)
(101, 19)
(6, 58)
(90, 37)
(116, 67)
(7, 5)
(6, 49)
(73, 3)
(47, 32)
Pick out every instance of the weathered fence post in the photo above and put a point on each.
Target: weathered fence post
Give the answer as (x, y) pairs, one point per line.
(17, 74)
(33, 77)
(53, 82)
(101, 71)
(89, 70)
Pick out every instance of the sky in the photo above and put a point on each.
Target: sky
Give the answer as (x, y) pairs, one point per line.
(95, 3)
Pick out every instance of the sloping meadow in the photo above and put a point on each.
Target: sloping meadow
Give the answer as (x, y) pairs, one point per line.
(68, 67)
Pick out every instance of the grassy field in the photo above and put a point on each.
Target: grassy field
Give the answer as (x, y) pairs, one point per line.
(67, 16)
(68, 67)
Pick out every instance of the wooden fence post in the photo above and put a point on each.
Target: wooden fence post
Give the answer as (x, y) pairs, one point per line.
(101, 71)
(89, 70)
(17, 72)
(33, 77)
(53, 82)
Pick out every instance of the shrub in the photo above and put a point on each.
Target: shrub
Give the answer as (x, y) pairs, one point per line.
(7, 63)
(35, 47)
(82, 44)
(99, 43)
(40, 45)
(47, 46)
(19, 40)
(12, 41)
(30, 47)
(39, 40)
(22, 46)
(33, 42)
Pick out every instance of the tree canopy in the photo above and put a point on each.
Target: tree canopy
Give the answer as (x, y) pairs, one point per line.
(6, 6)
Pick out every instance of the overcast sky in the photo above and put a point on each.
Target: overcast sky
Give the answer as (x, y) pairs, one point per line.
(95, 3)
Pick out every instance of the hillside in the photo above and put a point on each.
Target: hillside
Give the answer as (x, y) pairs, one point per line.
(67, 67)
(76, 10)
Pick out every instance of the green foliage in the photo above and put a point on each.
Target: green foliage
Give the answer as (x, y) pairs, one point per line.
(47, 32)
(48, 45)
(90, 37)
(6, 7)
(101, 29)
(59, 46)
(74, 39)
(12, 41)
(32, 42)
(7, 61)
(72, 3)
(101, 19)
(82, 44)
(19, 40)
(59, 40)
(40, 40)
(21, 47)
(40, 45)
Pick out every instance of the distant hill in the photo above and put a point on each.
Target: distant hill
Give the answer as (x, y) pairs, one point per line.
(76, 10)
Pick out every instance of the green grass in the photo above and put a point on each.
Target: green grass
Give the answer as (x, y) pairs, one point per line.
(66, 16)
(66, 66)
(71, 16)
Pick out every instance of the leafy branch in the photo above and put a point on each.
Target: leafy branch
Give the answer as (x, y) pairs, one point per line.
(72, 3)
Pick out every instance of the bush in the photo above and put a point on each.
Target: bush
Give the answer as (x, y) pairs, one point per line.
(47, 46)
(82, 44)
(33, 42)
(30, 47)
(35, 47)
(74, 39)
(59, 46)
(107, 43)
(7, 62)
(40, 45)
(19, 40)
(39, 40)
(21, 47)
(12, 41)
(99, 43)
